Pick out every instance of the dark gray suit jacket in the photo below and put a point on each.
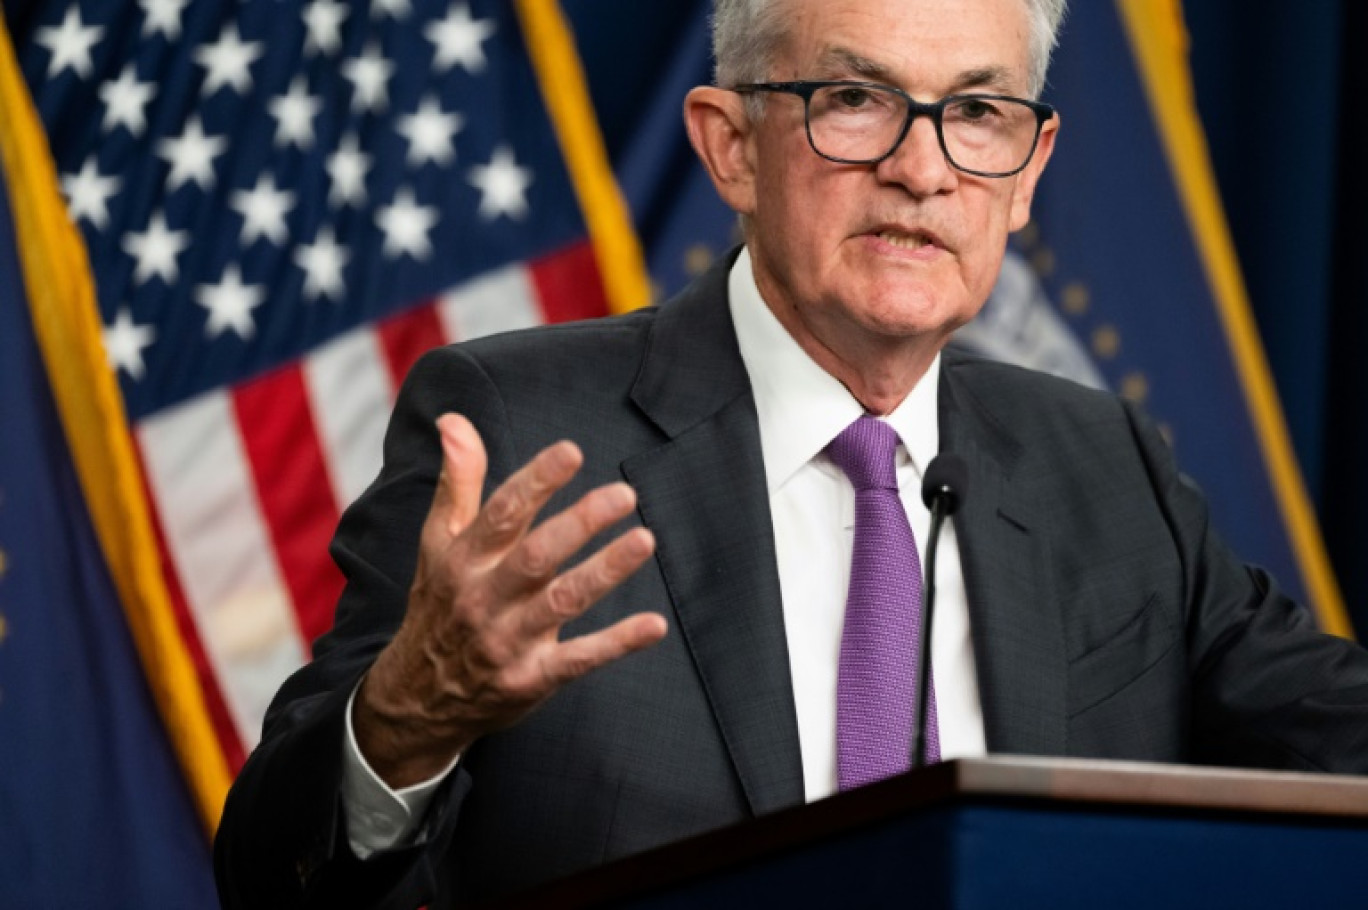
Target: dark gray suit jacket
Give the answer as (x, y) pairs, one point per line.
(1108, 620)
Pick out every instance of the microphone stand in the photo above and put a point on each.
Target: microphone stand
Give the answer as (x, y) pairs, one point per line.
(938, 513)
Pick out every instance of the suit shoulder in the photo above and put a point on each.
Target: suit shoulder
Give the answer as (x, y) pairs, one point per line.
(1018, 390)
(597, 346)
(579, 336)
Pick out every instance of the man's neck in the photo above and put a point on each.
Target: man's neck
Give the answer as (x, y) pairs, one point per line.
(879, 372)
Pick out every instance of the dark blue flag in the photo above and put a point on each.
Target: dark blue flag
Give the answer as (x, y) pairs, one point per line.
(94, 810)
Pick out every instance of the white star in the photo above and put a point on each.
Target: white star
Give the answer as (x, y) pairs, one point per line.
(322, 262)
(347, 167)
(155, 250)
(429, 132)
(406, 225)
(230, 304)
(191, 155)
(124, 342)
(459, 39)
(323, 19)
(263, 210)
(368, 75)
(503, 186)
(126, 101)
(228, 62)
(70, 43)
(294, 112)
(162, 16)
(88, 194)
(395, 9)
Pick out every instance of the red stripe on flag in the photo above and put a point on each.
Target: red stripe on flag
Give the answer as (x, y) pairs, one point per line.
(214, 703)
(569, 285)
(281, 442)
(408, 336)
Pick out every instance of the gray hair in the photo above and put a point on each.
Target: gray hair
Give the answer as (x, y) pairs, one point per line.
(747, 35)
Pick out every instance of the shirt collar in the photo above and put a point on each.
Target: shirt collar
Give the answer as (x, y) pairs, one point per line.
(800, 406)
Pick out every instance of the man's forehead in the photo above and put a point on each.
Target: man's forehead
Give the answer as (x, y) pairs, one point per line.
(956, 44)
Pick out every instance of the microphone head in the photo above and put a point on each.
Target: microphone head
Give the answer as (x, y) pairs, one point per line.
(947, 480)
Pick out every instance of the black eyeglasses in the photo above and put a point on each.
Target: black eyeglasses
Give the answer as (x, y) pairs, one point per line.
(864, 122)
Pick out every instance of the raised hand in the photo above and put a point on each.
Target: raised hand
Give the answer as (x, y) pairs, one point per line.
(479, 646)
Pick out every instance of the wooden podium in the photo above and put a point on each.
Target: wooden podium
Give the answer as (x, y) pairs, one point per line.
(1020, 833)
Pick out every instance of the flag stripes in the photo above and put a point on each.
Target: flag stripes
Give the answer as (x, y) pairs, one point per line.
(248, 483)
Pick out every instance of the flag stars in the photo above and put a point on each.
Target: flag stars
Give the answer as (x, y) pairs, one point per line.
(228, 61)
(323, 27)
(322, 262)
(230, 304)
(405, 225)
(395, 9)
(126, 101)
(459, 39)
(263, 209)
(191, 156)
(502, 185)
(429, 132)
(369, 75)
(88, 194)
(294, 113)
(70, 44)
(124, 342)
(347, 166)
(155, 250)
(162, 16)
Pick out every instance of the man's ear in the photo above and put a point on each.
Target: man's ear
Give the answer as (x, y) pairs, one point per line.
(1024, 191)
(721, 135)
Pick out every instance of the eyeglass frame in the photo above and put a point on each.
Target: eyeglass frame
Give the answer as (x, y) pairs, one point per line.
(934, 109)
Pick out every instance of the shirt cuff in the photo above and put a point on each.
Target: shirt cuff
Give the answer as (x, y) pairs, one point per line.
(378, 817)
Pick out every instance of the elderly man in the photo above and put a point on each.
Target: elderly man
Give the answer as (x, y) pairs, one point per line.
(741, 505)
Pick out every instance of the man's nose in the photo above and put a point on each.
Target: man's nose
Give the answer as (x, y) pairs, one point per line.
(918, 162)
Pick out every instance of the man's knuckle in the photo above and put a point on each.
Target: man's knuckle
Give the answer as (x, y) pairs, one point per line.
(562, 595)
(535, 559)
(503, 510)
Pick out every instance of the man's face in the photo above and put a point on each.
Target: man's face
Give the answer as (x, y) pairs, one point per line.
(910, 246)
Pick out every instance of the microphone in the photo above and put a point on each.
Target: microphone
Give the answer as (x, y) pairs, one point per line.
(944, 487)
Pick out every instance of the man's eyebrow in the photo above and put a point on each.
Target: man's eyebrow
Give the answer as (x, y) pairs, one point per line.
(998, 78)
(840, 61)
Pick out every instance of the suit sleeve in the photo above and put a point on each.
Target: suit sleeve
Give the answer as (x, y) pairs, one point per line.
(282, 840)
(1268, 688)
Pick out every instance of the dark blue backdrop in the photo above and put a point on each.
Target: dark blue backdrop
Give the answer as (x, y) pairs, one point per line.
(1280, 94)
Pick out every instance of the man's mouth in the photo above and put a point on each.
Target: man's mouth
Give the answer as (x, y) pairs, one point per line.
(907, 240)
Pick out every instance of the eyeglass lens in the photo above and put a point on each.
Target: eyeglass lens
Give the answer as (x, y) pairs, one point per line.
(861, 123)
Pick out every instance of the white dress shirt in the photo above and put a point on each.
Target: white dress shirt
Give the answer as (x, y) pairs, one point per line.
(801, 408)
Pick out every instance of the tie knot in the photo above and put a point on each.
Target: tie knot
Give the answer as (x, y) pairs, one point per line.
(866, 451)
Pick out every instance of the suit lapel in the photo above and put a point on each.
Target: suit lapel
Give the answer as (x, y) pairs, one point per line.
(1017, 628)
(703, 494)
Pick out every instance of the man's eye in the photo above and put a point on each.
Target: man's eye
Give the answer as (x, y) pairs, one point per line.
(972, 109)
(853, 98)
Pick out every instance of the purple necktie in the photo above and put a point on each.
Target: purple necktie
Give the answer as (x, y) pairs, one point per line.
(877, 678)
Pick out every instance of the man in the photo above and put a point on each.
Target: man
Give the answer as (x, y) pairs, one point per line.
(479, 719)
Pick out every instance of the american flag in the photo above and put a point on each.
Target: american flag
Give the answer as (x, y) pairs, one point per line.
(284, 204)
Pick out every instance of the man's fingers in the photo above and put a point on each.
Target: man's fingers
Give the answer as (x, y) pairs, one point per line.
(571, 593)
(577, 656)
(461, 483)
(540, 554)
(512, 507)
